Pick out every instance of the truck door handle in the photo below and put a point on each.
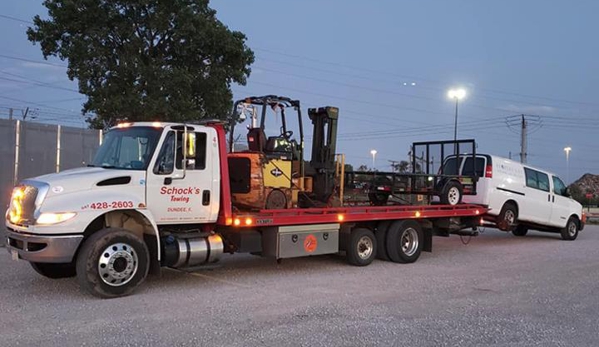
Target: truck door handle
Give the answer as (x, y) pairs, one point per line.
(206, 198)
(168, 181)
(553, 198)
(549, 197)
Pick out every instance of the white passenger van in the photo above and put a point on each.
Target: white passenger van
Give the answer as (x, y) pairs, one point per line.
(520, 197)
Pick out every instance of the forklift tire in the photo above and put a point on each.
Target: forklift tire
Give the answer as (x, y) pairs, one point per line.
(381, 240)
(276, 200)
(378, 199)
(361, 247)
(404, 241)
(452, 193)
(112, 263)
(54, 271)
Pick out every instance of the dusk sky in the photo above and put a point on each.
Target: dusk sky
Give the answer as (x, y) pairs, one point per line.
(387, 65)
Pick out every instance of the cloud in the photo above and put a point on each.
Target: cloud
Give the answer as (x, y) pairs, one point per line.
(534, 109)
(43, 66)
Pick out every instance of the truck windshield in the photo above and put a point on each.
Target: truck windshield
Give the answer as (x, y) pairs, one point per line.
(127, 148)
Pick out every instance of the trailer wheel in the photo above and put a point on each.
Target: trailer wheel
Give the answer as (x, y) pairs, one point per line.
(112, 263)
(404, 241)
(570, 232)
(452, 193)
(361, 247)
(507, 217)
(520, 230)
(54, 271)
(381, 240)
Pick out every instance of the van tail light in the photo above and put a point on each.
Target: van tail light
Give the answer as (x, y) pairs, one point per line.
(489, 171)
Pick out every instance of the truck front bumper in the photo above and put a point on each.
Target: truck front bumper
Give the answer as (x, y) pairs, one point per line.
(42, 248)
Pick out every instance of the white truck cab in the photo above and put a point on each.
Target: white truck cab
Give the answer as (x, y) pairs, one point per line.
(519, 196)
(138, 180)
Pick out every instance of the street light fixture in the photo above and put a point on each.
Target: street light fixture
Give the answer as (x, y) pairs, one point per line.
(567, 150)
(457, 94)
(373, 152)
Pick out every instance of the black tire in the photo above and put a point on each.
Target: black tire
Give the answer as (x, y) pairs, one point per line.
(55, 271)
(378, 199)
(570, 232)
(452, 193)
(508, 217)
(520, 230)
(404, 241)
(381, 240)
(276, 200)
(361, 247)
(112, 263)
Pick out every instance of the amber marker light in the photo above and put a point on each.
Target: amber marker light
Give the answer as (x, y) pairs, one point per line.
(237, 222)
(340, 217)
(248, 221)
(417, 214)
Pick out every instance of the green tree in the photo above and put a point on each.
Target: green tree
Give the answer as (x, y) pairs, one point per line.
(139, 60)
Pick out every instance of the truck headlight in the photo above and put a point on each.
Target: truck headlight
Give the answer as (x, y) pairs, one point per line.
(54, 218)
(15, 211)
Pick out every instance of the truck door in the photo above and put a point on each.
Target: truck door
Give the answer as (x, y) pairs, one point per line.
(181, 191)
(561, 204)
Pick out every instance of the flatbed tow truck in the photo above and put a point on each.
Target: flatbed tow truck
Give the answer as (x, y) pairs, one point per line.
(173, 195)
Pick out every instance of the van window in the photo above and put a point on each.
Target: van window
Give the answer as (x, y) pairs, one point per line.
(451, 167)
(536, 179)
(559, 187)
(468, 169)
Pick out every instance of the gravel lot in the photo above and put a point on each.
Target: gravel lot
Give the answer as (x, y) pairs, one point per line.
(498, 290)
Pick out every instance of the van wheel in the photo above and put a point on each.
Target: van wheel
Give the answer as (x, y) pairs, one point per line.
(112, 263)
(361, 248)
(570, 232)
(404, 241)
(452, 193)
(381, 240)
(520, 230)
(507, 217)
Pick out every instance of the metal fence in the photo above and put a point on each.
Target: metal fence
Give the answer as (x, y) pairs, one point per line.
(30, 149)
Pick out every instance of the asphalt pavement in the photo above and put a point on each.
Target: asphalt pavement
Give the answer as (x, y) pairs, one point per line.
(498, 290)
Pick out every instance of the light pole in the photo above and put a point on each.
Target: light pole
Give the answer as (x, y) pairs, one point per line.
(373, 152)
(456, 94)
(567, 150)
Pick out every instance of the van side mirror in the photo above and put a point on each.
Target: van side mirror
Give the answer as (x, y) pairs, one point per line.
(567, 193)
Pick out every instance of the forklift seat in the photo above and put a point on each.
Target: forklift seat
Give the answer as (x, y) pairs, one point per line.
(256, 140)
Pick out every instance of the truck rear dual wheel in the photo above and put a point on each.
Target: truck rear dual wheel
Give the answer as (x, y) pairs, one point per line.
(361, 247)
(54, 271)
(404, 241)
(112, 263)
(381, 240)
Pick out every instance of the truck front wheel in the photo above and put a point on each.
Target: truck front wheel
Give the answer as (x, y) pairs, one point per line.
(112, 263)
(54, 271)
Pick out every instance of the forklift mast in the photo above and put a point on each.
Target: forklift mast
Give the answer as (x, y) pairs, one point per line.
(324, 140)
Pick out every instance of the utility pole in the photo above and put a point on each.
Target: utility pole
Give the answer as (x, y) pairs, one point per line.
(10, 111)
(523, 150)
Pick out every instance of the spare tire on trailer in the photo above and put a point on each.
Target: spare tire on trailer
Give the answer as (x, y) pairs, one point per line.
(404, 241)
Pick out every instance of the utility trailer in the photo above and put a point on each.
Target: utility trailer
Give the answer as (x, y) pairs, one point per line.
(161, 195)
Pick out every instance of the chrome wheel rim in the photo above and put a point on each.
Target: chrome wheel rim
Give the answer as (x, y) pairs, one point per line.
(365, 247)
(572, 229)
(453, 195)
(409, 242)
(117, 264)
(510, 217)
